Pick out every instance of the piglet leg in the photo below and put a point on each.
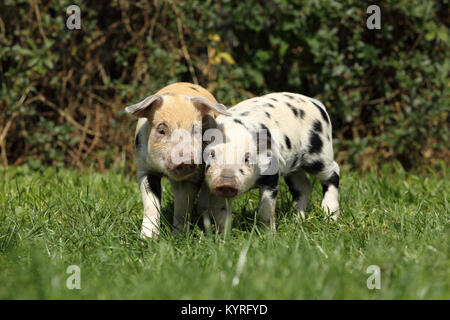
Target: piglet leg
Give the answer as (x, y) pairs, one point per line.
(219, 208)
(330, 186)
(300, 188)
(184, 194)
(150, 187)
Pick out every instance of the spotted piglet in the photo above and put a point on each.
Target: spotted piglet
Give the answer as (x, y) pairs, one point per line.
(279, 134)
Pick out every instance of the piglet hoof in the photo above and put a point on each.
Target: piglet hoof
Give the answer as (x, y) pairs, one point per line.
(331, 209)
(179, 230)
(331, 215)
(147, 234)
(300, 217)
(145, 240)
(268, 227)
(335, 216)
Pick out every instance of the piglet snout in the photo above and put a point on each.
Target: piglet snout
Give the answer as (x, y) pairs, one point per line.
(227, 187)
(182, 168)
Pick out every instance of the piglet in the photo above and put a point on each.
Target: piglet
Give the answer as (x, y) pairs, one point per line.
(166, 137)
(265, 138)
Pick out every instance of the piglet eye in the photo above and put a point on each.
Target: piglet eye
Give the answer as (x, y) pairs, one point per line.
(162, 129)
(247, 157)
(212, 154)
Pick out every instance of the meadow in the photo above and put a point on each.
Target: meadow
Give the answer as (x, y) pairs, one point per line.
(52, 219)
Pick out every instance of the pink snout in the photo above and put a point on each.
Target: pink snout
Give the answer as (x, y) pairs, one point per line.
(183, 166)
(226, 187)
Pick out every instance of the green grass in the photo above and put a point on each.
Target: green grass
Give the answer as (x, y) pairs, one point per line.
(52, 219)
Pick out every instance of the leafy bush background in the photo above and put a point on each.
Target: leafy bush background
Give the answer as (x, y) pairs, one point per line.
(62, 91)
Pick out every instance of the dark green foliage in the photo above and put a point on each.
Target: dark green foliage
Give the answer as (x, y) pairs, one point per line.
(386, 90)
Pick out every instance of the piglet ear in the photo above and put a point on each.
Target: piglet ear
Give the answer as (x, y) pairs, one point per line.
(142, 108)
(201, 102)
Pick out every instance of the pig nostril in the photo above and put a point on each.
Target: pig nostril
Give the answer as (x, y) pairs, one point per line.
(179, 167)
(227, 190)
(184, 166)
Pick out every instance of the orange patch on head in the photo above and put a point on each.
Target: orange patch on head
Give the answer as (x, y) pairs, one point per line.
(188, 89)
(178, 112)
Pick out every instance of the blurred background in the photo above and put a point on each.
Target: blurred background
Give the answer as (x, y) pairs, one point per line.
(62, 92)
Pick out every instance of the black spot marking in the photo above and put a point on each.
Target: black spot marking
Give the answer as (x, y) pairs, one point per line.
(137, 142)
(270, 105)
(240, 122)
(289, 96)
(322, 112)
(194, 88)
(274, 193)
(295, 163)
(241, 171)
(287, 141)
(267, 114)
(244, 113)
(302, 113)
(293, 109)
(295, 193)
(313, 167)
(269, 135)
(153, 184)
(317, 126)
(332, 181)
(269, 182)
(273, 99)
(315, 143)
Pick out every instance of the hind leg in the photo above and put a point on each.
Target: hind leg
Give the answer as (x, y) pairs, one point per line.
(329, 177)
(300, 188)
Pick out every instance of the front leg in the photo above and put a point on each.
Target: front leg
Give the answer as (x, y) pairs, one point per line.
(203, 200)
(300, 188)
(221, 212)
(150, 187)
(268, 198)
(219, 208)
(184, 194)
